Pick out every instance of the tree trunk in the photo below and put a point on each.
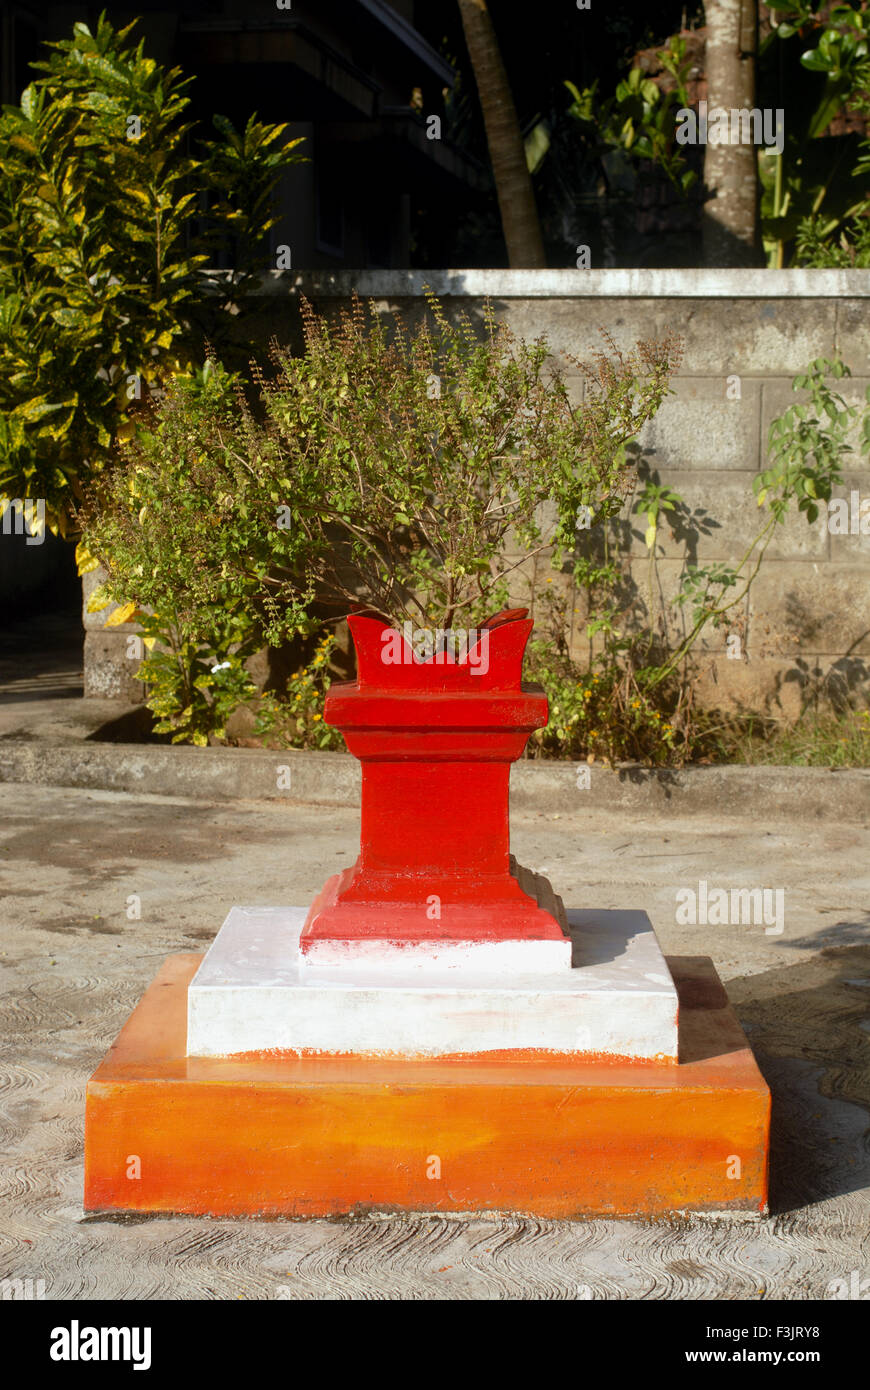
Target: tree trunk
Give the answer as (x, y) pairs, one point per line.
(730, 219)
(516, 201)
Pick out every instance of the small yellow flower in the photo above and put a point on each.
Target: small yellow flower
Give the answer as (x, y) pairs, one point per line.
(316, 717)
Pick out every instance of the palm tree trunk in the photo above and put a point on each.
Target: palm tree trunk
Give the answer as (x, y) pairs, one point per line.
(730, 220)
(516, 201)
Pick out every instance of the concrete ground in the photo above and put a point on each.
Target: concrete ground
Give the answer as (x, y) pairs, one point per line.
(72, 966)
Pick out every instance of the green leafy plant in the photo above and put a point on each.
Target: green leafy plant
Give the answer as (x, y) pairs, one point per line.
(634, 698)
(804, 179)
(170, 522)
(416, 455)
(295, 719)
(240, 172)
(381, 483)
(193, 687)
(387, 469)
(100, 264)
(816, 246)
(807, 444)
(640, 118)
(187, 522)
(600, 710)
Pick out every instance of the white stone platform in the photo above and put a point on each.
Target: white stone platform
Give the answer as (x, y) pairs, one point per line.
(250, 994)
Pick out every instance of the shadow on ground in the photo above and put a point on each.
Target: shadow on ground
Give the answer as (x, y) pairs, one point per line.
(809, 1027)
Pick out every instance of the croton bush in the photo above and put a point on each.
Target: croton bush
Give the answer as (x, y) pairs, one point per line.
(107, 220)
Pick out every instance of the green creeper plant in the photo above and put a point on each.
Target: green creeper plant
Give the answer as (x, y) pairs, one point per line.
(634, 698)
(806, 448)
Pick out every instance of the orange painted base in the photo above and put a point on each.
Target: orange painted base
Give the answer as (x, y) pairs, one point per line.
(318, 1136)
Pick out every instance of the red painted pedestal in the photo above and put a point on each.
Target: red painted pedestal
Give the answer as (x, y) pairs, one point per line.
(436, 740)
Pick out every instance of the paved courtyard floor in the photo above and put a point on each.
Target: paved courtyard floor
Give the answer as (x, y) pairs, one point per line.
(72, 966)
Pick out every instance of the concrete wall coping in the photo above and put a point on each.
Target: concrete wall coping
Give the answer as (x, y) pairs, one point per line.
(326, 778)
(567, 284)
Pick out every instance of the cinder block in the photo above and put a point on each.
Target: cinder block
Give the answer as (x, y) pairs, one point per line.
(700, 428)
(763, 684)
(108, 670)
(679, 620)
(812, 609)
(747, 336)
(852, 343)
(724, 520)
(848, 548)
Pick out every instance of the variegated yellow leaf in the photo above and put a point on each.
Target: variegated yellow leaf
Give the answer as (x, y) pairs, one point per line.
(124, 614)
(85, 560)
(98, 600)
